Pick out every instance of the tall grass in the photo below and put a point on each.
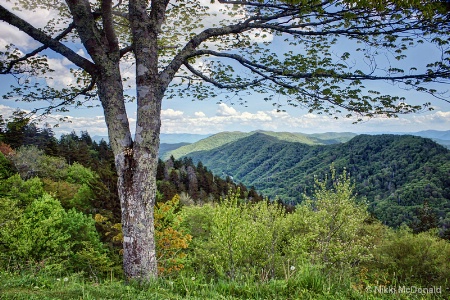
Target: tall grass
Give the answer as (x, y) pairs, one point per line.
(307, 283)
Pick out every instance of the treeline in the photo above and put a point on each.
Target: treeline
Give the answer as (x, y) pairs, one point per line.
(193, 182)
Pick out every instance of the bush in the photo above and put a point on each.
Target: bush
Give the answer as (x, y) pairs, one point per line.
(6, 167)
(234, 239)
(328, 229)
(31, 162)
(413, 258)
(25, 192)
(55, 238)
(171, 238)
(79, 174)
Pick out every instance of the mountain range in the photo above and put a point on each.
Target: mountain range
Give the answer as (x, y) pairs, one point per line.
(212, 141)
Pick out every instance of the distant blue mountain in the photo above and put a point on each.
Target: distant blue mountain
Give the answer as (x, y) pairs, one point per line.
(434, 134)
(167, 138)
(440, 137)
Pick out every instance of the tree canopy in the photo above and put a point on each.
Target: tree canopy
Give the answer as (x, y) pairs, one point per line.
(316, 68)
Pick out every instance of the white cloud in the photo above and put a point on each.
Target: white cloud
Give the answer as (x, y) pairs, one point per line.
(6, 111)
(228, 118)
(171, 114)
(61, 76)
(9, 34)
(37, 17)
(199, 114)
(225, 110)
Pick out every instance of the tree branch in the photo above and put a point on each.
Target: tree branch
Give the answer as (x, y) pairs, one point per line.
(221, 85)
(11, 64)
(323, 74)
(68, 98)
(108, 25)
(41, 37)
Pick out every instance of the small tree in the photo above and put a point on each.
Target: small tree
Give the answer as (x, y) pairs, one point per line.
(329, 227)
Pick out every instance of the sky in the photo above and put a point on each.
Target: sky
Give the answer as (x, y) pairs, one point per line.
(218, 114)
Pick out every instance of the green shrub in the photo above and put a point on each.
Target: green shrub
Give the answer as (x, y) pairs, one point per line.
(79, 174)
(24, 191)
(260, 240)
(413, 258)
(31, 162)
(171, 237)
(6, 167)
(234, 239)
(63, 240)
(328, 229)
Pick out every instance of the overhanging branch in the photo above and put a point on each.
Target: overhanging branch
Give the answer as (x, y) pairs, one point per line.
(49, 42)
(12, 63)
(324, 74)
(222, 85)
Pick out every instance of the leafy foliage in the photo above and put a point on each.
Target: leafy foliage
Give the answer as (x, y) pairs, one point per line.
(48, 234)
(329, 227)
(236, 238)
(420, 259)
(171, 239)
(6, 167)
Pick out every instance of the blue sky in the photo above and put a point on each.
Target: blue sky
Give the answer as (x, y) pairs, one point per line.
(210, 116)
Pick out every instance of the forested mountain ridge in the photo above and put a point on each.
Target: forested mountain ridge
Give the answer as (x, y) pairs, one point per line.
(223, 138)
(398, 175)
(327, 138)
(209, 143)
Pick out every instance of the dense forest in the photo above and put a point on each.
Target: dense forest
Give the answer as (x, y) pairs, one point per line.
(60, 226)
(401, 177)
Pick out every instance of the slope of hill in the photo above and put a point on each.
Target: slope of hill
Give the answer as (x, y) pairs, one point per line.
(208, 143)
(223, 138)
(434, 134)
(397, 174)
(174, 138)
(164, 148)
(329, 138)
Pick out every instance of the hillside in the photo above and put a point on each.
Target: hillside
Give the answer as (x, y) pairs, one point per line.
(208, 143)
(223, 138)
(397, 174)
(165, 147)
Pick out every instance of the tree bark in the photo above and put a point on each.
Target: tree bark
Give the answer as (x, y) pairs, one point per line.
(136, 164)
(137, 192)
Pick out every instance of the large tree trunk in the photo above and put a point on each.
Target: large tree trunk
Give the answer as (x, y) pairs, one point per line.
(136, 164)
(137, 192)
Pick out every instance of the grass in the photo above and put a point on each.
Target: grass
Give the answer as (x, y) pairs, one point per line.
(31, 286)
